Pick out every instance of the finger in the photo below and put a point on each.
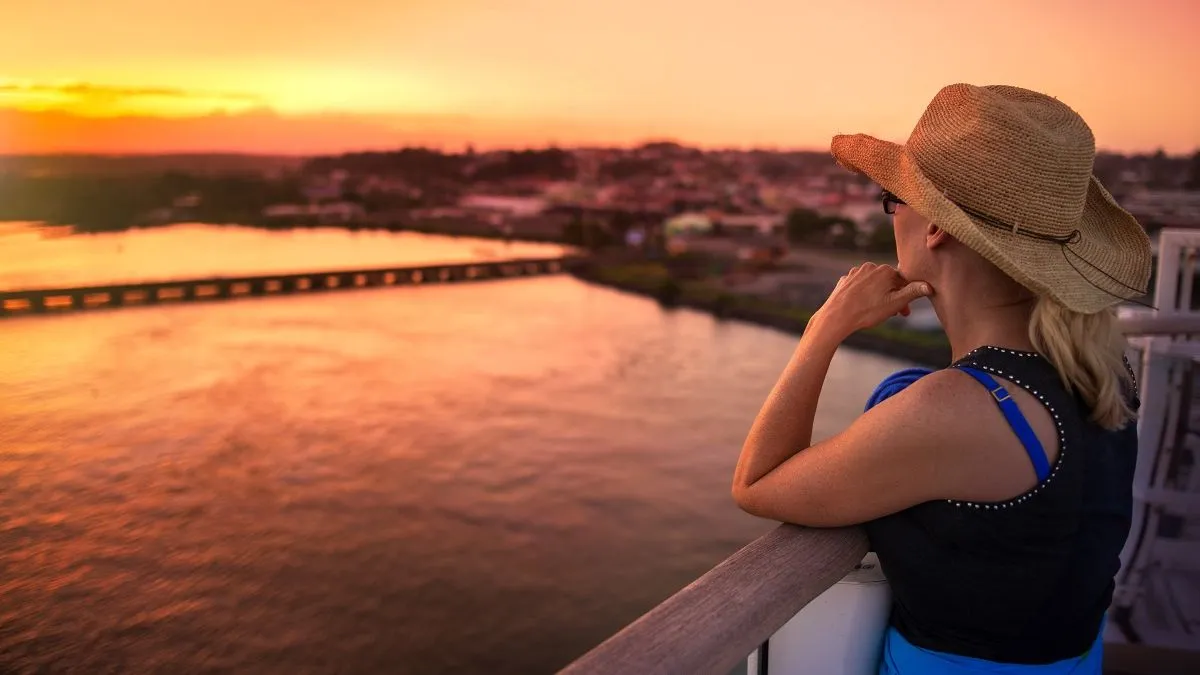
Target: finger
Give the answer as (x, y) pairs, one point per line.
(911, 291)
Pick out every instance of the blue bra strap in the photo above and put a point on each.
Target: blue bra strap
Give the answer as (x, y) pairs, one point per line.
(1033, 447)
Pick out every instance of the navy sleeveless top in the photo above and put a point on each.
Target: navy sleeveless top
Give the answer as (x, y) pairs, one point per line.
(1027, 580)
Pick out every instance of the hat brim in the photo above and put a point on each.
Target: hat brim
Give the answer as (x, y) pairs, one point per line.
(1110, 261)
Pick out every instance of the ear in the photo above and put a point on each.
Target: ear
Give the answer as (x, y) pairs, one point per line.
(935, 236)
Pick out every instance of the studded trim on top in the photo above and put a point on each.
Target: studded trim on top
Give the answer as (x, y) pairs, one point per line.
(1002, 350)
(1062, 440)
(1133, 383)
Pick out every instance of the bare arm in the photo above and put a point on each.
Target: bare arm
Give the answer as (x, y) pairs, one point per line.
(778, 475)
(892, 457)
(785, 423)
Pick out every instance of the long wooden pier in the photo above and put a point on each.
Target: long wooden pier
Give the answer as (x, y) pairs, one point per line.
(41, 301)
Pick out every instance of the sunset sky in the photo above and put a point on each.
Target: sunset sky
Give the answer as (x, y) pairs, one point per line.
(303, 76)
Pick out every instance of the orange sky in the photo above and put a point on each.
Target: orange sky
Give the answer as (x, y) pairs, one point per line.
(329, 75)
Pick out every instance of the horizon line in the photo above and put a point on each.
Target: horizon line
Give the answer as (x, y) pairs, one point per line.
(506, 148)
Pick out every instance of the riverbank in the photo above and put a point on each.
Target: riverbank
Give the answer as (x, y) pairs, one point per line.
(652, 279)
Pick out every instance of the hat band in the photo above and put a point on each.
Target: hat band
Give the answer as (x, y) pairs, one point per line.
(1064, 242)
(1070, 238)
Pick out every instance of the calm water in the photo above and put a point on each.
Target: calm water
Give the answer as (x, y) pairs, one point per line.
(482, 478)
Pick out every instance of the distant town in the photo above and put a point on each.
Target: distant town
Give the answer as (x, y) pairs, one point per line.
(760, 234)
(644, 196)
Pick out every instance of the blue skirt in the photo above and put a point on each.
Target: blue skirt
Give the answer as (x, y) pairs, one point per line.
(901, 657)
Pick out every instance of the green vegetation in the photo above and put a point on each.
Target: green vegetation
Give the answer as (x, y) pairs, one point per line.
(98, 203)
(883, 238)
(655, 279)
(425, 166)
(588, 233)
(914, 337)
(805, 226)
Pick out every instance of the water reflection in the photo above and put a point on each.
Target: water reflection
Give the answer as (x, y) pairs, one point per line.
(481, 478)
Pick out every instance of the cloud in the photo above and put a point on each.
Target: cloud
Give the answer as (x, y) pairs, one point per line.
(104, 100)
(87, 89)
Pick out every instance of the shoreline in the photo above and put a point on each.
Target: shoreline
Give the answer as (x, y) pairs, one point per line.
(930, 350)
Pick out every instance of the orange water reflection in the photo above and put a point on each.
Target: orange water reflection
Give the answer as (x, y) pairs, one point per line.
(486, 477)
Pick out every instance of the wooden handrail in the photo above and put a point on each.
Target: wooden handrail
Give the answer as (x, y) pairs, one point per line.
(713, 624)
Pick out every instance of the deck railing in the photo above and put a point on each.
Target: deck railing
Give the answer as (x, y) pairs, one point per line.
(715, 623)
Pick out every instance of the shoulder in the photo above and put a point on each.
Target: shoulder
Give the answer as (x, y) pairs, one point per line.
(950, 421)
(947, 382)
(941, 421)
(938, 404)
(921, 422)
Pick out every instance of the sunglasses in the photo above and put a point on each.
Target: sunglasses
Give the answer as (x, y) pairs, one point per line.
(889, 202)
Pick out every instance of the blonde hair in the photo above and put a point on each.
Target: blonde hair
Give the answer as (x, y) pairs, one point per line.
(1088, 351)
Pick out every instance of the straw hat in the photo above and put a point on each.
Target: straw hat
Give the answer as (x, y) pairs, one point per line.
(1008, 172)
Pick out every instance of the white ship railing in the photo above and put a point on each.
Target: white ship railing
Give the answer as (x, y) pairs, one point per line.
(714, 623)
(1157, 598)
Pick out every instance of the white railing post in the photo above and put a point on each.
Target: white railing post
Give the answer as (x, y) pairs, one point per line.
(1159, 390)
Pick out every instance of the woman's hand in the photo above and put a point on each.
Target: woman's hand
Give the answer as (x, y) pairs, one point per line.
(867, 296)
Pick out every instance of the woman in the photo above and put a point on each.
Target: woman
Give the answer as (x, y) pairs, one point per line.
(996, 492)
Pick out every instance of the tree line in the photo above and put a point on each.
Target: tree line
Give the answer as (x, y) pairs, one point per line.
(805, 226)
(113, 202)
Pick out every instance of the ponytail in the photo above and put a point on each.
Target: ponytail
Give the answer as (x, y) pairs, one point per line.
(1088, 352)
